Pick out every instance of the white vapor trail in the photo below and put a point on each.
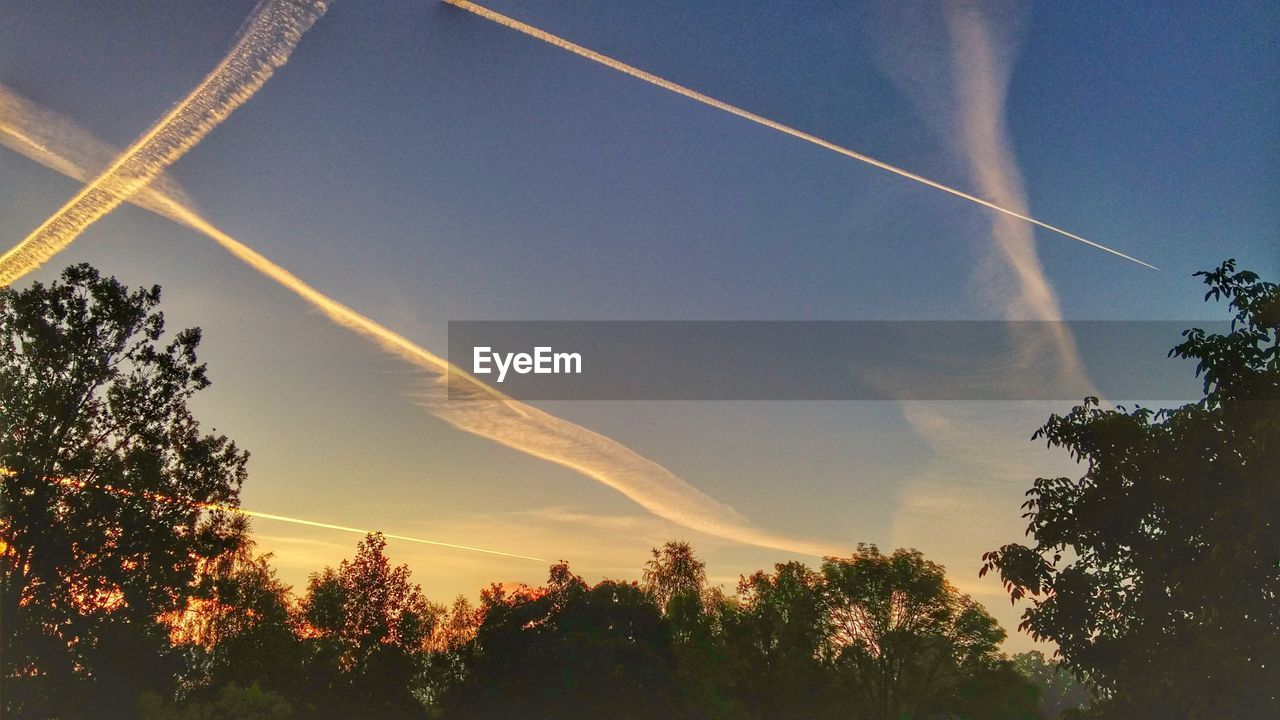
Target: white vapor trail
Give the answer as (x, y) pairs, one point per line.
(264, 44)
(635, 72)
(59, 144)
(237, 510)
(954, 62)
(982, 80)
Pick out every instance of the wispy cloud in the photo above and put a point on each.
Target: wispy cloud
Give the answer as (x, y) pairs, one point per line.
(954, 61)
(468, 405)
(570, 516)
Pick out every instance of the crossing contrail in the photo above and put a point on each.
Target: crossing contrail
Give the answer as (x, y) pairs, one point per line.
(772, 124)
(476, 408)
(264, 44)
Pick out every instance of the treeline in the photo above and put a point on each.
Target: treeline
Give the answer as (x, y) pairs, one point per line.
(869, 636)
(127, 590)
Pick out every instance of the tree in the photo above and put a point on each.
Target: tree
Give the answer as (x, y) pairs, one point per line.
(241, 629)
(232, 702)
(676, 578)
(446, 661)
(1157, 572)
(107, 481)
(371, 627)
(992, 691)
(1060, 691)
(776, 645)
(569, 650)
(674, 571)
(458, 626)
(902, 637)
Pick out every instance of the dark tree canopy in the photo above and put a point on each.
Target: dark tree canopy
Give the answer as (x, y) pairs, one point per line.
(1157, 572)
(569, 650)
(901, 634)
(870, 636)
(241, 630)
(776, 645)
(371, 626)
(1060, 691)
(104, 473)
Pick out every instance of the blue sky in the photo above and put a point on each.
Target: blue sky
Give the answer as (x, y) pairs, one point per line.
(423, 165)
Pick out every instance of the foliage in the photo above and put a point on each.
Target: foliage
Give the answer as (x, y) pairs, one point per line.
(674, 572)
(445, 664)
(1060, 691)
(242, 628)
(676, 580)
(371, 626)
(232, 702)
(901, 635)
(774, 640)
(569, 650)
(105, 471)
(993, 691)
(126, 594)
(1157, 572)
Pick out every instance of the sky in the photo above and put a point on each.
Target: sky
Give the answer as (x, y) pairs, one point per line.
(421, 164)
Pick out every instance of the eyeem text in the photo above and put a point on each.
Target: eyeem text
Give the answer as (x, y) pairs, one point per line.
(543, 361)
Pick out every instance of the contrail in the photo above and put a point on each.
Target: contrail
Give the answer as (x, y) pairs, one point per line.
(359, 531)
(51, 140)
(954, 62)
(760, 120)
(158, 497)
(981, 82)
(264, 44)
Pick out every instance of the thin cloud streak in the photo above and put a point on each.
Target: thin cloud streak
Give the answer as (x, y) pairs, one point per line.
(237, 510)
(264, 45)
(959, 83)
(557, 41)
(51, 139)
(360, 531)
(981, 85)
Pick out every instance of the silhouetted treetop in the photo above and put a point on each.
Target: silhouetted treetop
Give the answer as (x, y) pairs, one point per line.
(1157, 572)
(106, 477)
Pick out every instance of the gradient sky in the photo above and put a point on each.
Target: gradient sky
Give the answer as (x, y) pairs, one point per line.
(422, 165)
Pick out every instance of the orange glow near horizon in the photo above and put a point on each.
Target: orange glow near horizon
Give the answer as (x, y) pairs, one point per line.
(219, 507)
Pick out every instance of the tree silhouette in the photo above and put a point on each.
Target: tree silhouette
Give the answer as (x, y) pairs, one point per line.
(231, 702)
(676, 578)
(445, 665)
(569, 650)
(371, 627)
(776, 645)
(241, 630)
(105, 471)
(1157, 572)
(130, 591)
(1060, 691)
(902, 636)
(674, 571)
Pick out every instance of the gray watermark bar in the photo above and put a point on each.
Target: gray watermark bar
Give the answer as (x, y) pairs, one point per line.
(824, 360)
